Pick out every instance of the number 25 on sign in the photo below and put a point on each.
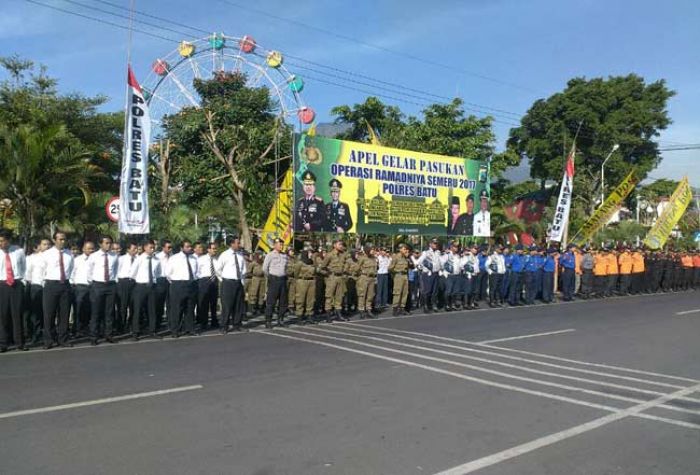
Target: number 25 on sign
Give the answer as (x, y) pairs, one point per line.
(112, 209)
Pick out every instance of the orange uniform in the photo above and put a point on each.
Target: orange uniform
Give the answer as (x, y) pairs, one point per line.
(612, 268)
(578, 257)
(637, 262)
(600, 265)
(625, 263)
(687, 261)
(696, 260)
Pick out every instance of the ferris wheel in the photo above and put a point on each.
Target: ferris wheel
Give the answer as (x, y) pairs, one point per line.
(169, 86)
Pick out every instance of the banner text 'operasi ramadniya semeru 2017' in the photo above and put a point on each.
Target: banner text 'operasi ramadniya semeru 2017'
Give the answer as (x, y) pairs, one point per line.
(342, 186)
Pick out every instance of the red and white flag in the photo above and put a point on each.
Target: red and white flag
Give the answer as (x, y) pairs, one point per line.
(561, 212)
(133, 190)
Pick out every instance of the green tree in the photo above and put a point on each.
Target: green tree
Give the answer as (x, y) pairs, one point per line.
(226, 148)
(57, 150)
(618, 110)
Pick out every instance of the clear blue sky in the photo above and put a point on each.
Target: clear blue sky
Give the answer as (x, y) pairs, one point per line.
(531, 47)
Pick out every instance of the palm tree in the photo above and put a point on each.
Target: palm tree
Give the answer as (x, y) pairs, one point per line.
(44, 173)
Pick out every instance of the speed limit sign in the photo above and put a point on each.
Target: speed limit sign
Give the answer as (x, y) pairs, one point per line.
(112, 209)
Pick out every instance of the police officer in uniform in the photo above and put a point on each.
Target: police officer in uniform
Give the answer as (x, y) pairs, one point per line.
(275, 268)
(366, 282)
(338, 219)
(310, 212)
(305, 276)
(334, 265)
(399, 267)
(430, 262)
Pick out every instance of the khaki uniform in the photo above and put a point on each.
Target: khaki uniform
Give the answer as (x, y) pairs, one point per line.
(305, 276)
(291, 283)
(352, 271)
(258, 285)
(366, 283)
(399, 268)
(334, 264)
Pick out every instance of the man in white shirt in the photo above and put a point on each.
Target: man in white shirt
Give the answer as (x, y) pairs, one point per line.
(383, 261)
(231, 268)
(496, 269)
(102, 269)
(34, 278)
(162, 284)
(145, 272)
(58, 267)
(430, 264)
(452, 266)
(81, 291)
(12, 269)
(125, 287)
(207, 287)
(470, 269)
(482, 219)
(181, 271)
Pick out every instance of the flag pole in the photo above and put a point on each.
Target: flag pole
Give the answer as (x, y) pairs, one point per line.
(126, 98)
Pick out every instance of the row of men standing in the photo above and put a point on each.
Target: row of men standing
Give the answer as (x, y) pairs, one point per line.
(111, 293)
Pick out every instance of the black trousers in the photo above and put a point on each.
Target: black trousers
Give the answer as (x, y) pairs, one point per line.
(207, 295)
(56, 303)
(162, 292)
(568, 283)
(11, 300)
(530, 287)
(102, 295)
(625, 282)
(232, 297)
(81, 308)
(495, 282)
(276, 294)
(515, 288)
(35, 304)
(547, 286)
(125, 290)
(382, 297)
(144, 299)
(183, 297)
(587, 283)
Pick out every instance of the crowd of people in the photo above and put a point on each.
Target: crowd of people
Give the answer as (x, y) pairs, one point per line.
(58, 293)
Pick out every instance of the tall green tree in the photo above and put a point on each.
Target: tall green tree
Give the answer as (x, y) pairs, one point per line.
(622, 110)
(226, 148)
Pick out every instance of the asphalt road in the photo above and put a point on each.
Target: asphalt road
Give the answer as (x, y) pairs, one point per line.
(596, 387)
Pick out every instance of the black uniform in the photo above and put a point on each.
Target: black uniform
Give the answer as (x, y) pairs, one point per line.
(338, 216)
(309, 211)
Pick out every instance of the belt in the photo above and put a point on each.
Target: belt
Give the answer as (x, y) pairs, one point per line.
(338, 274)
(228, 280)
(307, 278)
(400, 273)
(56, 281)
(369, 275)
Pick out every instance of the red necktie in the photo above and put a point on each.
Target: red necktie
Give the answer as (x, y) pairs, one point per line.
(9, 275)
(106, 268)
(62, 277)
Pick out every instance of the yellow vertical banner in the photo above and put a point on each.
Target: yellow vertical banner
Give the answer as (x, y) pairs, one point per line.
(659, 233)
(603, 214)
(279, 221)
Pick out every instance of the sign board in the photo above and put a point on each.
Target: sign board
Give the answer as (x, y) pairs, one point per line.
(112, 209)
(342, 186)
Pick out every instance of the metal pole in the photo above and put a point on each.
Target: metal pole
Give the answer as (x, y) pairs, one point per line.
(602, 173)
(637, 209)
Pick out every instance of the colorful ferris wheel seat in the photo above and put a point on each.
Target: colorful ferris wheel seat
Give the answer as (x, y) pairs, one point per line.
(247, 44)
(160, 67)
(186, 49)
(217, 41)
(306, 115)
(296, 84)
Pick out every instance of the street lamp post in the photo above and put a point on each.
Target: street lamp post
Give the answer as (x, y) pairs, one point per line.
(602, 173)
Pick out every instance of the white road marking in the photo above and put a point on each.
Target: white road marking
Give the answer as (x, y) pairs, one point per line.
(532, 335)
(532, 353)
(508, 375)
(108, 400)
(687, 312)
(474, 379)
(562, 435)
(489, 350)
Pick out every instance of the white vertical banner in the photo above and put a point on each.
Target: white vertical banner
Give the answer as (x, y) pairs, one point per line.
(561, 212)
(133, 189)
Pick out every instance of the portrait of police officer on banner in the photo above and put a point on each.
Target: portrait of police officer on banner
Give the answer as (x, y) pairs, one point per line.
(338, 219)
(309, 212)
(482, 219)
